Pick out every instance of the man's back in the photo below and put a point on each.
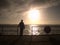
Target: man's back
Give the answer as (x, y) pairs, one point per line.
(22, 27)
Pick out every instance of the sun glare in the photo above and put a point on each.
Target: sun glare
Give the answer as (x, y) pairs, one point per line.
(33, 14)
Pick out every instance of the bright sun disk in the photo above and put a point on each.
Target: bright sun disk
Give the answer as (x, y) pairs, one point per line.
(33, 14)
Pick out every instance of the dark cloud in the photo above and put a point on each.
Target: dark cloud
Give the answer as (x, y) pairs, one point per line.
(45, 3)
(10, 6)
(39, 2)
(4, 3)
(19, 3)
(54, 11)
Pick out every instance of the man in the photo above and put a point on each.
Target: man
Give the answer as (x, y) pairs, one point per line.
(22, 27)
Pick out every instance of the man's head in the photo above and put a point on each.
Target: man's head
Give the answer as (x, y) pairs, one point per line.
(21, 20)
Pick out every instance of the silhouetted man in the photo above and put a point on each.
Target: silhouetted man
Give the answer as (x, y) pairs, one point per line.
(22, 27)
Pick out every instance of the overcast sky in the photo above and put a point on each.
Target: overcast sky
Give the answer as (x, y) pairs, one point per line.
(12, 11)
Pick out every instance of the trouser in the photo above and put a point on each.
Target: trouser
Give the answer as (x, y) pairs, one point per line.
(21, 32)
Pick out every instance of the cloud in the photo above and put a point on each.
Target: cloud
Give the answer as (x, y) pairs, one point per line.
(4, 4)
(8, 7)
(14, 9)
(45, 3)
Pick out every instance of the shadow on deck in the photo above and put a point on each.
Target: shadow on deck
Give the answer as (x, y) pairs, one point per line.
(30, 40)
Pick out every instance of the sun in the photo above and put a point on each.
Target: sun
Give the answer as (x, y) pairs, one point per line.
(33, 14)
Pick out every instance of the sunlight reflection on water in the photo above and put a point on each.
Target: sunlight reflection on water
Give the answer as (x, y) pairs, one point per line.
(34, 30)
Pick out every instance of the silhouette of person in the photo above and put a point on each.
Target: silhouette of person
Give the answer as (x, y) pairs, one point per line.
(22, 27)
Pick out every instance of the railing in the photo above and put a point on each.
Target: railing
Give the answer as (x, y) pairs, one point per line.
(14, 30)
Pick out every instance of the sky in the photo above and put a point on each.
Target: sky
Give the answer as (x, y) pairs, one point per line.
(12, 11)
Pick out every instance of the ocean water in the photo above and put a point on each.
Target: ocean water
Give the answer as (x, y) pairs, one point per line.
(9, 29)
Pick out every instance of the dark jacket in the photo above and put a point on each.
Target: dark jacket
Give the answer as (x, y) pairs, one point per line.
(21, 25)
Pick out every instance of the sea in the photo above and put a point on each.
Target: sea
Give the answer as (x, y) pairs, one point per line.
(31, 29)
